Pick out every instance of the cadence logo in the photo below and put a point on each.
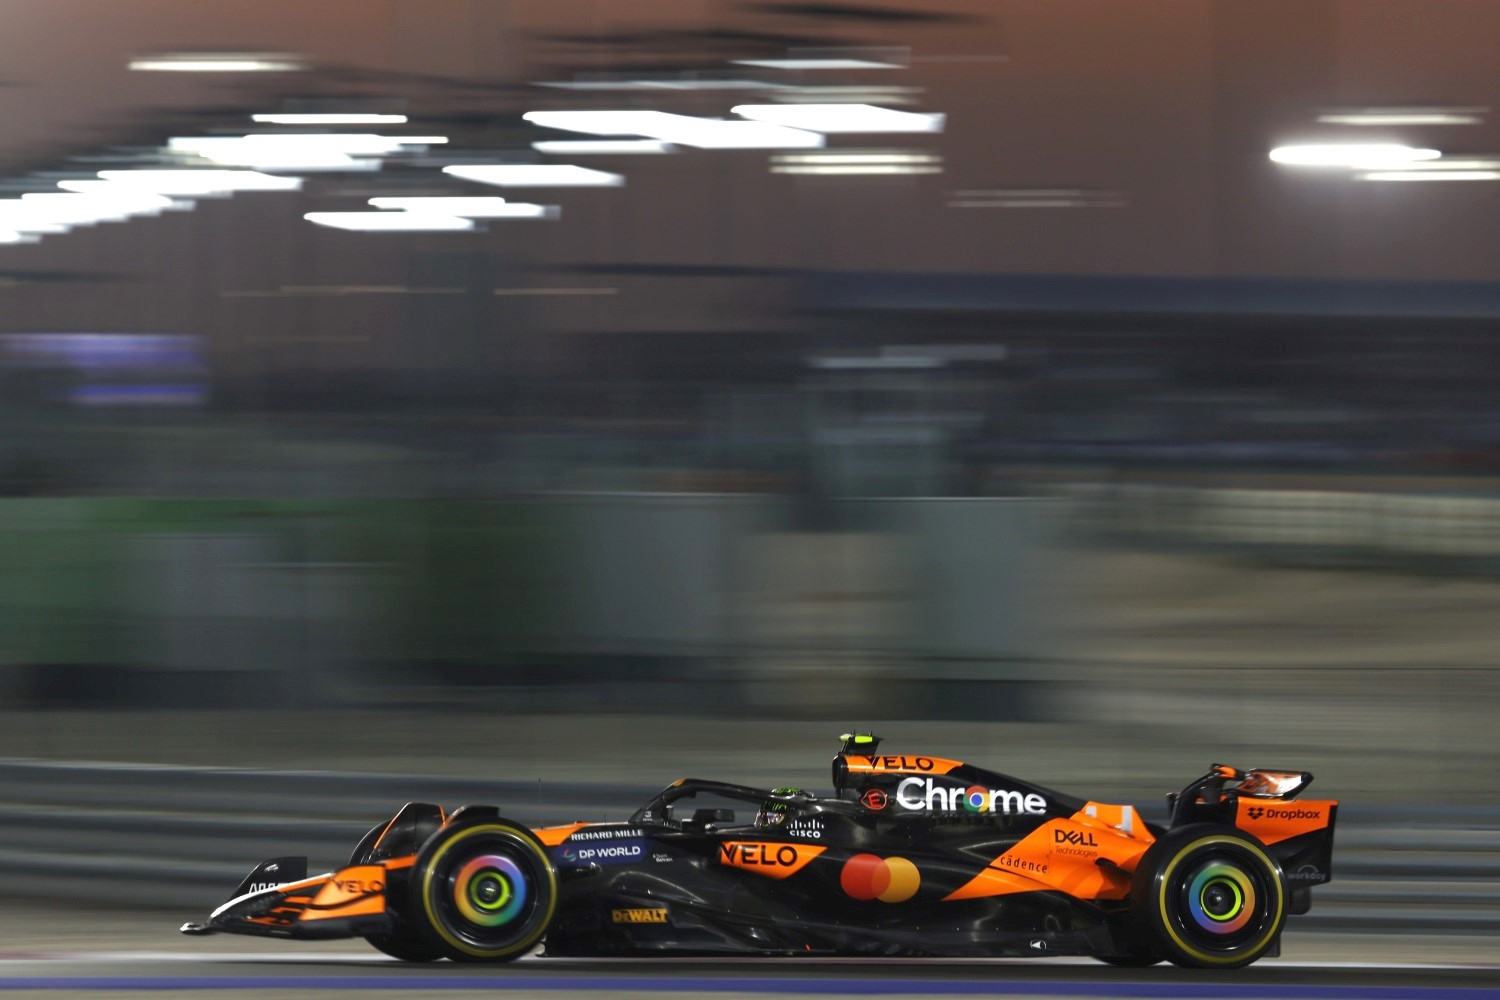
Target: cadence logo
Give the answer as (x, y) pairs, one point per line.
(924, 793)
(890, 880)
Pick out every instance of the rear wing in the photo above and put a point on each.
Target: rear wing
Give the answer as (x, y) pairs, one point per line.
(1264, 803)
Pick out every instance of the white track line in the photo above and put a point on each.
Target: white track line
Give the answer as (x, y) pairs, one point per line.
(648, 963)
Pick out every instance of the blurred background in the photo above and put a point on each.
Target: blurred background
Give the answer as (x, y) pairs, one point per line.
(498, 399)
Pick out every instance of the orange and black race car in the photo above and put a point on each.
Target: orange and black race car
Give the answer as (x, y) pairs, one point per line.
(912, 855)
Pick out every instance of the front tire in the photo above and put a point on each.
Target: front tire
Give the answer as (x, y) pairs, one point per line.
(1210, 897)
(405, 944)
(486, 891)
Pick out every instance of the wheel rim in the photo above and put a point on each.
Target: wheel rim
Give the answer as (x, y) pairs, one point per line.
(1222, 900)
(488, 892)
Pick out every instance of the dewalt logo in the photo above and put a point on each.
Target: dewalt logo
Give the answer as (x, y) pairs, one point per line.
(646, 915)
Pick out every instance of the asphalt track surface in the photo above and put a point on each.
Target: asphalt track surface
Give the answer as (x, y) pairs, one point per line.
(48, 950)
(324, 971)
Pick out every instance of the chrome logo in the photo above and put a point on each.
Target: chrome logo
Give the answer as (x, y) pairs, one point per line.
(1221, 899)
(977, 799)
(490, 890)
(890, 880)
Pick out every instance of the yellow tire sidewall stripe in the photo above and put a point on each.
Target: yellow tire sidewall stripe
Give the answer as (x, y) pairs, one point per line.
(1166, 881)
(437, 925)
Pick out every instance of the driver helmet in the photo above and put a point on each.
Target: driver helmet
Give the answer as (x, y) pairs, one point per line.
(775, 810)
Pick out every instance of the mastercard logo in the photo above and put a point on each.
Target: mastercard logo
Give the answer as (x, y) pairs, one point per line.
(890, 880)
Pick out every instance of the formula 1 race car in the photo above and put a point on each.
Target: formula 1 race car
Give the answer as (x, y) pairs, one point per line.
(911, 856)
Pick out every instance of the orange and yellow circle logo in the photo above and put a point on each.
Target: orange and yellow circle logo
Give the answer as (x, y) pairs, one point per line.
(890, 880)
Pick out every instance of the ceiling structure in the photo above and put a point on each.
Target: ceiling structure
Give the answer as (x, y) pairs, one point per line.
(1155, 118)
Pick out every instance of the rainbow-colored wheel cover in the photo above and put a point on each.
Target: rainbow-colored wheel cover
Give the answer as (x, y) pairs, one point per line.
(1221, 899)
(490, 890)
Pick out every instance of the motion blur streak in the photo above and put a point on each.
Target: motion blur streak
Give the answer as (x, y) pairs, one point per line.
(581, 390)
(1432, 175)
(188, 62)
(1351, 155)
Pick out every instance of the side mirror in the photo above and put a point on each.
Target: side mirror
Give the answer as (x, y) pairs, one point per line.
(703, 817)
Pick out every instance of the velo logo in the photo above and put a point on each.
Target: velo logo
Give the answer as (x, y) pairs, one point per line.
(771, 860)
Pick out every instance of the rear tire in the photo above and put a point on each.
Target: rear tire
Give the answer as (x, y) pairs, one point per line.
(1132, 960)
(1210, 897)
(485, 891)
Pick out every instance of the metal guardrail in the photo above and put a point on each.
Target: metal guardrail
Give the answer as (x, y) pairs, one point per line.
(184, 837)
(1348, 526)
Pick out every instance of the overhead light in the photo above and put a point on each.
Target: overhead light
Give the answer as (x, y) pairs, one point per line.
(856, 162)
(269, 151)
(855, 169)
(15, 217)
(602, 122)
(364, 143)
(55, 212)
(694, 83)
(390, 222)
(469, 208)
(841, 117)
(238, 153)
(72, 207)
(199, 182)
(587, 147)
(109, 189)
(858, 156)
(218, 62)
(330, 119)
(1404, 116)
(878, 94)
(1351, 155)
(1439, 166)
(1039, 198)
(535, 175)
(877, 361)
(1432, 175)
(683, 130)
(817, 64)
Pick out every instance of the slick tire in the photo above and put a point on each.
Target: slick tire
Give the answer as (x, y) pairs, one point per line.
(406, 944)
(1210, 897)
(484, 891)
(1133, 959)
